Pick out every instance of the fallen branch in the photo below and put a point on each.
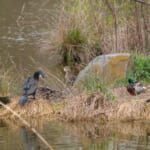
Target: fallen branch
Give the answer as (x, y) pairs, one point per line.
(143, 2)
(28, 125)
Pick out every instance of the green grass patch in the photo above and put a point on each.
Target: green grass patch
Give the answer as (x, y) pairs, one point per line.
(74, 37)
(96, 84)
(140, 70)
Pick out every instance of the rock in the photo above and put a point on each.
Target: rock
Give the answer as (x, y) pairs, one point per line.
(108, 68)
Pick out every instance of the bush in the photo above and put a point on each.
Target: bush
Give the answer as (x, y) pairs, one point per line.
(74, 37)
(71, 46)
(141, 69)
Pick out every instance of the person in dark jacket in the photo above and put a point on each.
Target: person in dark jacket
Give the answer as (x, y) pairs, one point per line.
(30, 86)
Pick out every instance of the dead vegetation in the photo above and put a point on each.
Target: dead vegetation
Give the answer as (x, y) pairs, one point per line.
(32, 109)
(95, 106)
(86, 106)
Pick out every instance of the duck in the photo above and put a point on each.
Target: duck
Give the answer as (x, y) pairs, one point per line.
(30, 86)
(135, 87)
(47, 93)
(69, 77)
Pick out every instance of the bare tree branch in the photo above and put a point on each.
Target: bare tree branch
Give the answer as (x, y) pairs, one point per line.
(143, 2)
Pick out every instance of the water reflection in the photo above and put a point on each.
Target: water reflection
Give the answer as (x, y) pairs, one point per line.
(29, 139)
(78, 136)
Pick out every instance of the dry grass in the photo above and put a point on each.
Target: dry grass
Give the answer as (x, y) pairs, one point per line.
(96, 23)
(130, 111)
(127, 107)
(95, 106)
(85, 106)
(92, 106)
(35, 113)
(33, 108)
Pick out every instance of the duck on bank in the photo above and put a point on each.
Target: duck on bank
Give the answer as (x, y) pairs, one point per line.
(89, 106)
(135, 87)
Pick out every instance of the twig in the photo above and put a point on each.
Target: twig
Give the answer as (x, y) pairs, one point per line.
(143, 2)
(28, 125)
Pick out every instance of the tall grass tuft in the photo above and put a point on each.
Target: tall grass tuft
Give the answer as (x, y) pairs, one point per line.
(76, 33)
(71, 46)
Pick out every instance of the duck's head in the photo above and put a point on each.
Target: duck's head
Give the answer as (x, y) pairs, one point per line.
(67, 69)
(38, 74)
(131, 81)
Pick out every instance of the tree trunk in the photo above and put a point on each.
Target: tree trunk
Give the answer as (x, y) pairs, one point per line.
(138, 28)
(113, 12)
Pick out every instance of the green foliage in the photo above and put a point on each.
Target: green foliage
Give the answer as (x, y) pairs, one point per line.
(109, 20)
(121, 82)
(74, 37)
(96, 84)
(139, 72)
(68, 58)
(84, 23)
(141, 69)
(70, 45)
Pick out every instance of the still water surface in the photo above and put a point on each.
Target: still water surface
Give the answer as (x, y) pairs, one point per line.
(81, 136)
(25, 27)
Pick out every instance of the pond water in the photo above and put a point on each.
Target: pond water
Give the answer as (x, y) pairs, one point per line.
(25, 27)
(81, 136)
